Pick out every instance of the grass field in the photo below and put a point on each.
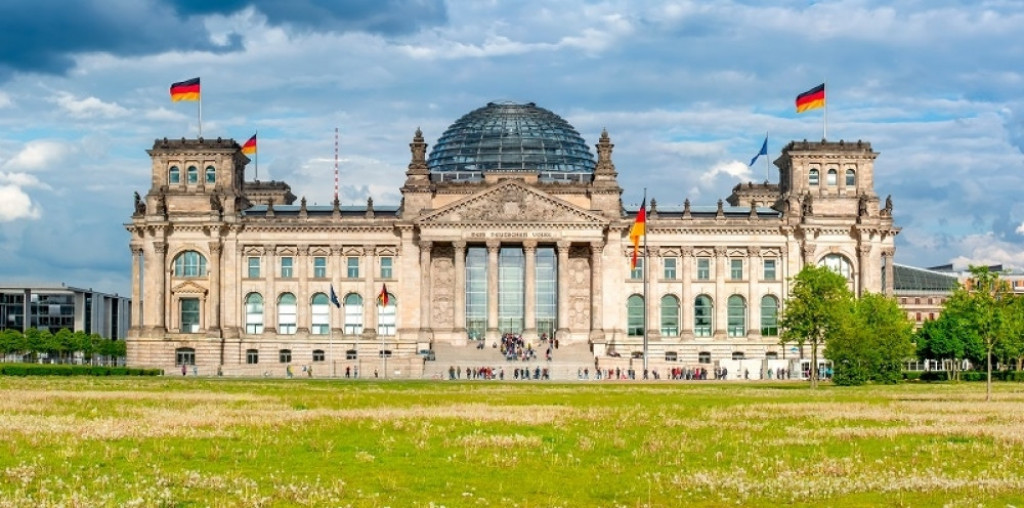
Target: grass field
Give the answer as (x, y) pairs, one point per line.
(215, 442)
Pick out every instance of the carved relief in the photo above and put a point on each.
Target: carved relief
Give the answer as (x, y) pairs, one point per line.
(579, 291)
(443, 290)
(579, 313)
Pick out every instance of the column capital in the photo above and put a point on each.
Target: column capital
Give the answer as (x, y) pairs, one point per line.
(721, 251)
(160, 248)
(564, 245)
(302, 249)
(686, 252)
(135, 248)
(459, 245)
(493, 245)
(863, 250)
(215, 248)
(596, 247)
(426, 244)
(888, 252)
(530, 245)
(336, 249)
(753, 251)
(808, 250)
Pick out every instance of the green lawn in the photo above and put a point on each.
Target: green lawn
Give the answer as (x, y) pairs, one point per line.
(216, 442)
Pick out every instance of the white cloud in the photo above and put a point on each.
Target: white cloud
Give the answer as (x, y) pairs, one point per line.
(986, 249)
(736, 170)
(5, 100)
(37, 155)
(89, 107)
(21, 180)
(15, 204)
(1020, 229)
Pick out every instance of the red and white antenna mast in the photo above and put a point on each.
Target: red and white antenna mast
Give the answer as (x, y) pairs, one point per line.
(335, 163)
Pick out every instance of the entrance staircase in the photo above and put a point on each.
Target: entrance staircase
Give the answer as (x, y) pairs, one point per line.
(564, 365)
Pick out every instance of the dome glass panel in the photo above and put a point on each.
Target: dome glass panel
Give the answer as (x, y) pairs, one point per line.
(510, 137)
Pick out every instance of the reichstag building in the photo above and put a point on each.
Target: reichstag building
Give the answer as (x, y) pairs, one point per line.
(510, 224)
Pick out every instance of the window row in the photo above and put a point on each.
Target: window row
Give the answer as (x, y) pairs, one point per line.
(703, 316)
(187, 356)
(193, 264)
(704, 265)
(286, 267)
(319, 314)
(831, 177)
(191, 175)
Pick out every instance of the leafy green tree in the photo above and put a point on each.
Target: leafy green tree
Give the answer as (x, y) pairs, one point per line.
(62, 343)
(875, 343)
(989, 306)
(81, 342)
(817, 311)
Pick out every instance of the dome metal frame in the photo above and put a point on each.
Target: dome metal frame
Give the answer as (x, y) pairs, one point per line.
(507, 136)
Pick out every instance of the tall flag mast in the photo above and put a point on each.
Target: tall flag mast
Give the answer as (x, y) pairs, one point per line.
(640, 229)
(814, 99)
(335, 163)
(188, 90)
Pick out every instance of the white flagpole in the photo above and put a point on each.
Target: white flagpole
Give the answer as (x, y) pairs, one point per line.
(200, 101)
(767, 164)
(646, 269)
(824, 122)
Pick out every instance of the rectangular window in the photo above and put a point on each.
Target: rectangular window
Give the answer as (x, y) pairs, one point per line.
(736, 269)
(254, 268)
(319, 267)
(189, 315)
(637, 273)
(286, 267)
(385, 268)
(252, 357)
(703, 269)
(284, 355)
(670, 268)
(318, 355)
(769, 269)
(353, 268)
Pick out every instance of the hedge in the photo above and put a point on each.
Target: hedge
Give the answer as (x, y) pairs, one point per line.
(31, 369)
(968, 375)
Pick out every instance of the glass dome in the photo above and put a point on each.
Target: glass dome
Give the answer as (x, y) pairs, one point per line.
(510, 137)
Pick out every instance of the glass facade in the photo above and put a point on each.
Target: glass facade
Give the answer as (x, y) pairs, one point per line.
(547, 291)
(189, 315)
(703, 311)
(737, 320)
(321, 319)
(635, 316)
(476, 292)
(511, 282)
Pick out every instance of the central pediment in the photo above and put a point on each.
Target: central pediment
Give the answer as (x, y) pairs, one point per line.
(511, 201)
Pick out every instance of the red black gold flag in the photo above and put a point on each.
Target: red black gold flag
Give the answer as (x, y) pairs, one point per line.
(185, 90)
(639, 229)
(249, 147)
(811, 99)
(383, 296)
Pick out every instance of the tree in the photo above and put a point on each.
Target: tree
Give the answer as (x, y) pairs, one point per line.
(875, 343)
(816, 311)
(991, 308)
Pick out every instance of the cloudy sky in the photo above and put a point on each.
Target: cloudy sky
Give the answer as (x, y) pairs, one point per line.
(686, 89)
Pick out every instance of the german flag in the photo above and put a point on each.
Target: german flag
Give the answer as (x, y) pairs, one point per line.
(639, 229)
(382, 298)
(811, 99)
(249, 147)
(185, 90)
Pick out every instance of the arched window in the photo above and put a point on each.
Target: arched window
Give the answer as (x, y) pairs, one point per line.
(769, 316)
(737, 322)
(839, 264)
(254, 313)
(193, 174)
(635, 316)
(386, 316)
(184, 356)
(321, 315)
(211, 174)
(669, 316)
(353, 314)
(703, 311)
(812, 178)
(190, 264)
(286, 314)
(832, 178)
(174, 175)
(851, 178)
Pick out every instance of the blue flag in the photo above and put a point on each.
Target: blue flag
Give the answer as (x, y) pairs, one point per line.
(764, 151)
(334, 297)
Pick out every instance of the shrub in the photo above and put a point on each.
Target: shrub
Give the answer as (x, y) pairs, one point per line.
(935, 375)
(912, 375)
(31, 369)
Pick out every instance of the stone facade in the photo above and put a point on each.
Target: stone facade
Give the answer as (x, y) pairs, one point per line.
(204, 251)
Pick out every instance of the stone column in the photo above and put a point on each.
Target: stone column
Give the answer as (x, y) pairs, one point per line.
(213, 324)
(160, 273)
(425, 247)
(270, 299)
(460, 288)
(888, 254)
(333, 269)
(596, 292)
(530, 288)
(863, 268)
(753, 300)
(303, 298)
(721, 298)
(371, 291)
(686, 305)
(562, 333)
(136, 321)
(492, 289)
(809, 249)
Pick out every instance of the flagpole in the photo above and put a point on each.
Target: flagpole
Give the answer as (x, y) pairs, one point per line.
(257, 154)
(824, 122)
(330, 346)
(646, 269)
(767, 164)
(200, 101)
